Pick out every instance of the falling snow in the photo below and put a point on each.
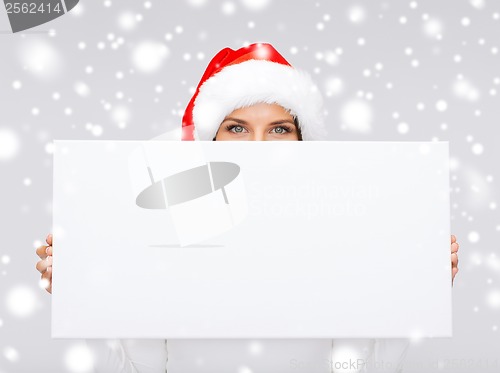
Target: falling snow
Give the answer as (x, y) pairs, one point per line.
(256, 5)
(79, 359)
(9, 144)
(41, 58)
(197, 3)
(21, 301)
(403, 127)
(131, 74)
(228, 8)
(357, 14)
(464, 89)
(441, 105)
(149, 56)
(357, 116)
(5, 259)
(473, 237)
(433, 28)
(333, 86)
(11, 354)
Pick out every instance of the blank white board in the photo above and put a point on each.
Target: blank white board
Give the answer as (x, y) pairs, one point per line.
(171, 239)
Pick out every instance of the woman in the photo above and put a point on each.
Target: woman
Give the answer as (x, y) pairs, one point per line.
(249, 94)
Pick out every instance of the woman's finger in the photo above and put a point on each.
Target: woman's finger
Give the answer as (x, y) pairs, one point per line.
(453, 238)
(454, 247)
(49, 239)
(41, 251)
(47, 279)
(42, 265)
(454, 272)
(454, 259)
(47, 276)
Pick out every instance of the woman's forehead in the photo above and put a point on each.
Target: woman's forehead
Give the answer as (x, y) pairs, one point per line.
(261, 109)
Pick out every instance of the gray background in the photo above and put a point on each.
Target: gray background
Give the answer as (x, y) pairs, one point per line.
(127, 69)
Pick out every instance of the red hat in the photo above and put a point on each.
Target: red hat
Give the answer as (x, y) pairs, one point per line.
(250, 75)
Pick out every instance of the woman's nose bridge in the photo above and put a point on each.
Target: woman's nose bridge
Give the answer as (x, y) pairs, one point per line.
(259, 136)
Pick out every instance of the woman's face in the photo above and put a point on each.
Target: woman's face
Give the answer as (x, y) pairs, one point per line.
(268, 122)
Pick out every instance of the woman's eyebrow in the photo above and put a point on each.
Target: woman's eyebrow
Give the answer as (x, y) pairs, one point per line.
(240, 121)
(283, 121)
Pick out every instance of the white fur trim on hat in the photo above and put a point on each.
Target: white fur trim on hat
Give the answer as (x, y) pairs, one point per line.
(258, 81)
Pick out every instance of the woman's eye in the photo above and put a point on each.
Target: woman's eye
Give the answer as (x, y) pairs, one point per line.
(236, 129)
(280, 130)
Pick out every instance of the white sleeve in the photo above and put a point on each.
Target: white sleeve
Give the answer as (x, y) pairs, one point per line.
(388, 355)
(369, 355)
(128, 355)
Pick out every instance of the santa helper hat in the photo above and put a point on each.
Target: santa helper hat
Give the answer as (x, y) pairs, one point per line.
(253, 74)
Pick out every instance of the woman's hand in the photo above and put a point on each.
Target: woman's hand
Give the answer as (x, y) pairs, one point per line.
(454, 257)
(44, 266)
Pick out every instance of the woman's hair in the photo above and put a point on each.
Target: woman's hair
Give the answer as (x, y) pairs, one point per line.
(295, 120)
(299, 132)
